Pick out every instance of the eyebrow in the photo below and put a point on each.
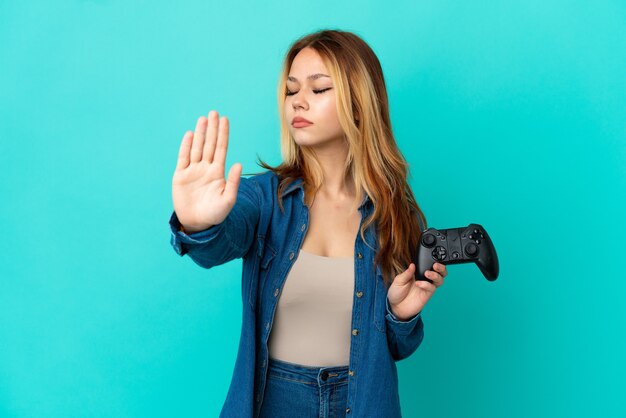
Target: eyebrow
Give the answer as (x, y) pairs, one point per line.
(311, 77)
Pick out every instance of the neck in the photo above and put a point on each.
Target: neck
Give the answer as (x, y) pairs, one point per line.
(336, 183)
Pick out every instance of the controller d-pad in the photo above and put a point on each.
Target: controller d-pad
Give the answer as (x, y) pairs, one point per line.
(439, 253)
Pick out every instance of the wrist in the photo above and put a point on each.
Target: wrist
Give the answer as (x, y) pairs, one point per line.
(398, 316)
(189, 230)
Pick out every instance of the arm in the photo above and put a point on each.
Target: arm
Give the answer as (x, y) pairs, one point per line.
(225, 241)
(403, 337)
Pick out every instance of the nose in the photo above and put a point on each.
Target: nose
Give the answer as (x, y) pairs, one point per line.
(298, 100)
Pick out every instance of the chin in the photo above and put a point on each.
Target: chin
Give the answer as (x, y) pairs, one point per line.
(304, 139)
(308, 142)
(310, 139)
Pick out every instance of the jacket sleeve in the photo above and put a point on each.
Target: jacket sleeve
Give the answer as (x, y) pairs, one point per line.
(403, 337)
(227, 240)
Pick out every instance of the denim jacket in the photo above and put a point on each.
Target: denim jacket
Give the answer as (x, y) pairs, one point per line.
(268, 241)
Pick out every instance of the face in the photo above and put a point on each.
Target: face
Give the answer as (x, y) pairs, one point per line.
(313, 99)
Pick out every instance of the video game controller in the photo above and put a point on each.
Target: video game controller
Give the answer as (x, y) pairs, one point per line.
(470, 244)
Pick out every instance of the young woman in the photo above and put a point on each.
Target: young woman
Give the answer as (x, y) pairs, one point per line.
(327, 238)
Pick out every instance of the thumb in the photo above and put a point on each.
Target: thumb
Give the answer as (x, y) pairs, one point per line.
(232, 184)
(406, 276)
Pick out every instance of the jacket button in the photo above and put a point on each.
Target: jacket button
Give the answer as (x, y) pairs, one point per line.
(324, 375)
(360, 255)
(359, 294)
(302, 227)
(291, 256)
(355, 332)
(276, 292)
(351, 372)
(347, 410)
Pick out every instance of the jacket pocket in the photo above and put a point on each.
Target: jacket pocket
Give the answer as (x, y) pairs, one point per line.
(380, 302)
(265, 255)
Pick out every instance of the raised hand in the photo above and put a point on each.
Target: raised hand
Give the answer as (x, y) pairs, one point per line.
(201, 196)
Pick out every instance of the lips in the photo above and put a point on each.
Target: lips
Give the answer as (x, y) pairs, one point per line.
(299, 122)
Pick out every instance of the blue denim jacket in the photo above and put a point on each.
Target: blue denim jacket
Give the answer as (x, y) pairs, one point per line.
(268, 241)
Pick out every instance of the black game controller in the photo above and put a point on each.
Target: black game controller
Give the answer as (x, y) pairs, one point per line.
(469, 244)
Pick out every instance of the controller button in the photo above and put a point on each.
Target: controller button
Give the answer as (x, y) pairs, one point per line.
(455, 255)
(471, 250)
(428, 240)
(477, 241)
(439, 253)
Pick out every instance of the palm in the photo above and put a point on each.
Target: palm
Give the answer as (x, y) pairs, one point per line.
(410, 298)
(201, 195)
(198, 187)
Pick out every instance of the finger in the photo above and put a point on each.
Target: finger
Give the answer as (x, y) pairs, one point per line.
(210, 137)
(183, 151)
(232, 183)
(222, 142)
(425, 277)
(437, 279)
(441, 269)
(198, 139)
(424, 285)
(406, 276)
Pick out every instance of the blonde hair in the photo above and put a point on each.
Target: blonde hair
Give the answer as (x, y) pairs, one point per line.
(374, 160)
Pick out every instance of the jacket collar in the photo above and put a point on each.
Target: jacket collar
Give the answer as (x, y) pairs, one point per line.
(299, 184)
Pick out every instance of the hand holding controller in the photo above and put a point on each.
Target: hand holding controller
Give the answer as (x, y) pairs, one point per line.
(470, 244)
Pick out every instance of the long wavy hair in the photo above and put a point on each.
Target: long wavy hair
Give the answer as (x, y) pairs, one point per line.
(374, 160)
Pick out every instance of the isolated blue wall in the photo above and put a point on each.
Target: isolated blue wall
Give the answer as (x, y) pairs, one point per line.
(511, 114)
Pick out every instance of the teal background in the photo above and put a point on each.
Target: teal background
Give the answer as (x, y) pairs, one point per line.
(511, 115)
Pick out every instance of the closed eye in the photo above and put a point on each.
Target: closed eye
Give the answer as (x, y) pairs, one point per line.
(290, 93)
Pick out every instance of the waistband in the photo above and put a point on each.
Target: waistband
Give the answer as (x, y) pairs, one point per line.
(308, 374)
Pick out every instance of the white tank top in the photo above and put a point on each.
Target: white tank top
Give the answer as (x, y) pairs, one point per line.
(313, 319)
